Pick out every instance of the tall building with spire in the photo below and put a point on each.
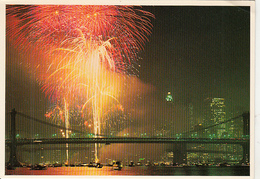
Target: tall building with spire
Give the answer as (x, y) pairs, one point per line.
(169, 97)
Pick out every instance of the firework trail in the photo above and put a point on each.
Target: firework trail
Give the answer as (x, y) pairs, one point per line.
(89, 63)
(84, 49)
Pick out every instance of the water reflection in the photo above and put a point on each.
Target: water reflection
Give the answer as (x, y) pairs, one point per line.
(142, 170)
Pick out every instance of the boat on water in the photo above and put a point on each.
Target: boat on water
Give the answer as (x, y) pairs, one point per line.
(117, 165)
(201, 165)
(39, 167)
(131, 164)
(139, 164)
(97, 165)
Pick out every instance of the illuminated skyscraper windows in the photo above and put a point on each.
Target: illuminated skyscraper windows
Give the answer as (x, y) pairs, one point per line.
(215, 113)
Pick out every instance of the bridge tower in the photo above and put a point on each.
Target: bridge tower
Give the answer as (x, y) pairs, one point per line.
(180, 153)
(246, 133)
(13, 162)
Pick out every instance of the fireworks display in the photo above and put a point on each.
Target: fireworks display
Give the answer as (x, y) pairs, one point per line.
(46, 27)
(79, 54)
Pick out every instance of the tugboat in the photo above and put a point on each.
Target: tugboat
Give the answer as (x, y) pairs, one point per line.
(117, 165)
(96, 165)
(91, 164)
(131, 164)
(201, 165)
(148, 164)
(99, 165)
(139, 164)
(39, 167)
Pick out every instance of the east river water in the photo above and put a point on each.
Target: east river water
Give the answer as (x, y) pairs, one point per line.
(137, 171)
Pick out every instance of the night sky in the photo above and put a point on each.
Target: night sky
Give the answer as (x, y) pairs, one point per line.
(200, 52)
(194, 52)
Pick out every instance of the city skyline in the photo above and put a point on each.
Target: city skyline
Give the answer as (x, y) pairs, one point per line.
(206, 54)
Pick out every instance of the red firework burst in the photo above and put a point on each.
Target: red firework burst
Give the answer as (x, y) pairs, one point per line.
(45, 27)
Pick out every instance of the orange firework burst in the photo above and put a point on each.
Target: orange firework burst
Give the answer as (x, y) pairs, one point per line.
(46, 26)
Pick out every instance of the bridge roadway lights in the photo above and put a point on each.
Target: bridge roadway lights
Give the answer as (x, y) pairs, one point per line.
(106, 140)
(179, 145)
(13, 162)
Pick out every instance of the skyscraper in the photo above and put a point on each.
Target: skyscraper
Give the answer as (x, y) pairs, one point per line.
(219, 115)
(215, 113)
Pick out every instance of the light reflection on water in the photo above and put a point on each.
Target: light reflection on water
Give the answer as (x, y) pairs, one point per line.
(108, 171)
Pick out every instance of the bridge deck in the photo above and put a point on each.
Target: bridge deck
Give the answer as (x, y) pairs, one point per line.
(107, 140)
